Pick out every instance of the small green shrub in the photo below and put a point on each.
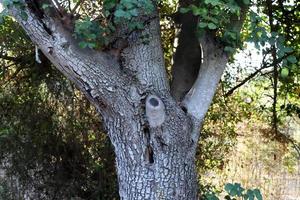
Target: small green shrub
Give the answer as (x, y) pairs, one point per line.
(234, 192)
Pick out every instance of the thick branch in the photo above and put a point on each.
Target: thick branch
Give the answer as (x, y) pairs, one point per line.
(187, 58)
(145, 58)
(199, 98)
(94, 73)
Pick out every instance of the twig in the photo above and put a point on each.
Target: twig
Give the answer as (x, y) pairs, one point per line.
(275, 67)
(263, 66)
(76, 6)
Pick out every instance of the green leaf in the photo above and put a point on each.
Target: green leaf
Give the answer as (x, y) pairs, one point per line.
(288, 49)
(284, 72)
(46, 6)
(212, 26)
(7, 3)
(133, 12)
(249, 195)
(128, 4)
(184, 10)
(195, 10)
(82, 44)
(1, 18)
(228, 187)
(229, 49)
(211, 197)
(280, 53)
(292, 59)
(212, 2)
(91, 36)
(109, 4)
(122, 14)
(234, 189)
(91, 45)
(246, 2)
(257, 194)
(202, 25)
(239, 189)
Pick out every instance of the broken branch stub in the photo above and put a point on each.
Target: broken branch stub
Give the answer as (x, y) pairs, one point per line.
(155, 111)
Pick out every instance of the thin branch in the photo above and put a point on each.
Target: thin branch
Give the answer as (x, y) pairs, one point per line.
(10, 58)
(230, 92)
(14, 75)
(69, 5)
(264, 66)
(57, 5)
(275, 67)
(294, 143)
(76, 6)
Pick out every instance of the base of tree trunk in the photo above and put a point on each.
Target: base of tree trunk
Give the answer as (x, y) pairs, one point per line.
(168, 177)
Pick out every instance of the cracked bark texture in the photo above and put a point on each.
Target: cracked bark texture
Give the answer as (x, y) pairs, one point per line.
(154, 138)
(156, 162)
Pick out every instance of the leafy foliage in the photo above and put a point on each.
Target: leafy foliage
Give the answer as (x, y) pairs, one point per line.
(90, 34)
(233, 192)
(14, 3)
(236, 190)
(51, 140)
(218, 16)
(95, 33)
(4, 190)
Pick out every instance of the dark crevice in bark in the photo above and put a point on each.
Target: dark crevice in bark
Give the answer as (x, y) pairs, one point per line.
(160, 141)
(147, 134)
(150, 154)
(122, 41)
(115, 50)
(35, 8)
(184, 109)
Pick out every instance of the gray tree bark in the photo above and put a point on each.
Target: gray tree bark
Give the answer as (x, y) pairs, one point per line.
(154, 135)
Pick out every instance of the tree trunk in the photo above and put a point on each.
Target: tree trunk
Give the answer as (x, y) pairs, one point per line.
(155, 161)
(170, 176)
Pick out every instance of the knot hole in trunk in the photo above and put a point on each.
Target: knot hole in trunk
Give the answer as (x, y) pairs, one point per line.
(155, 111)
